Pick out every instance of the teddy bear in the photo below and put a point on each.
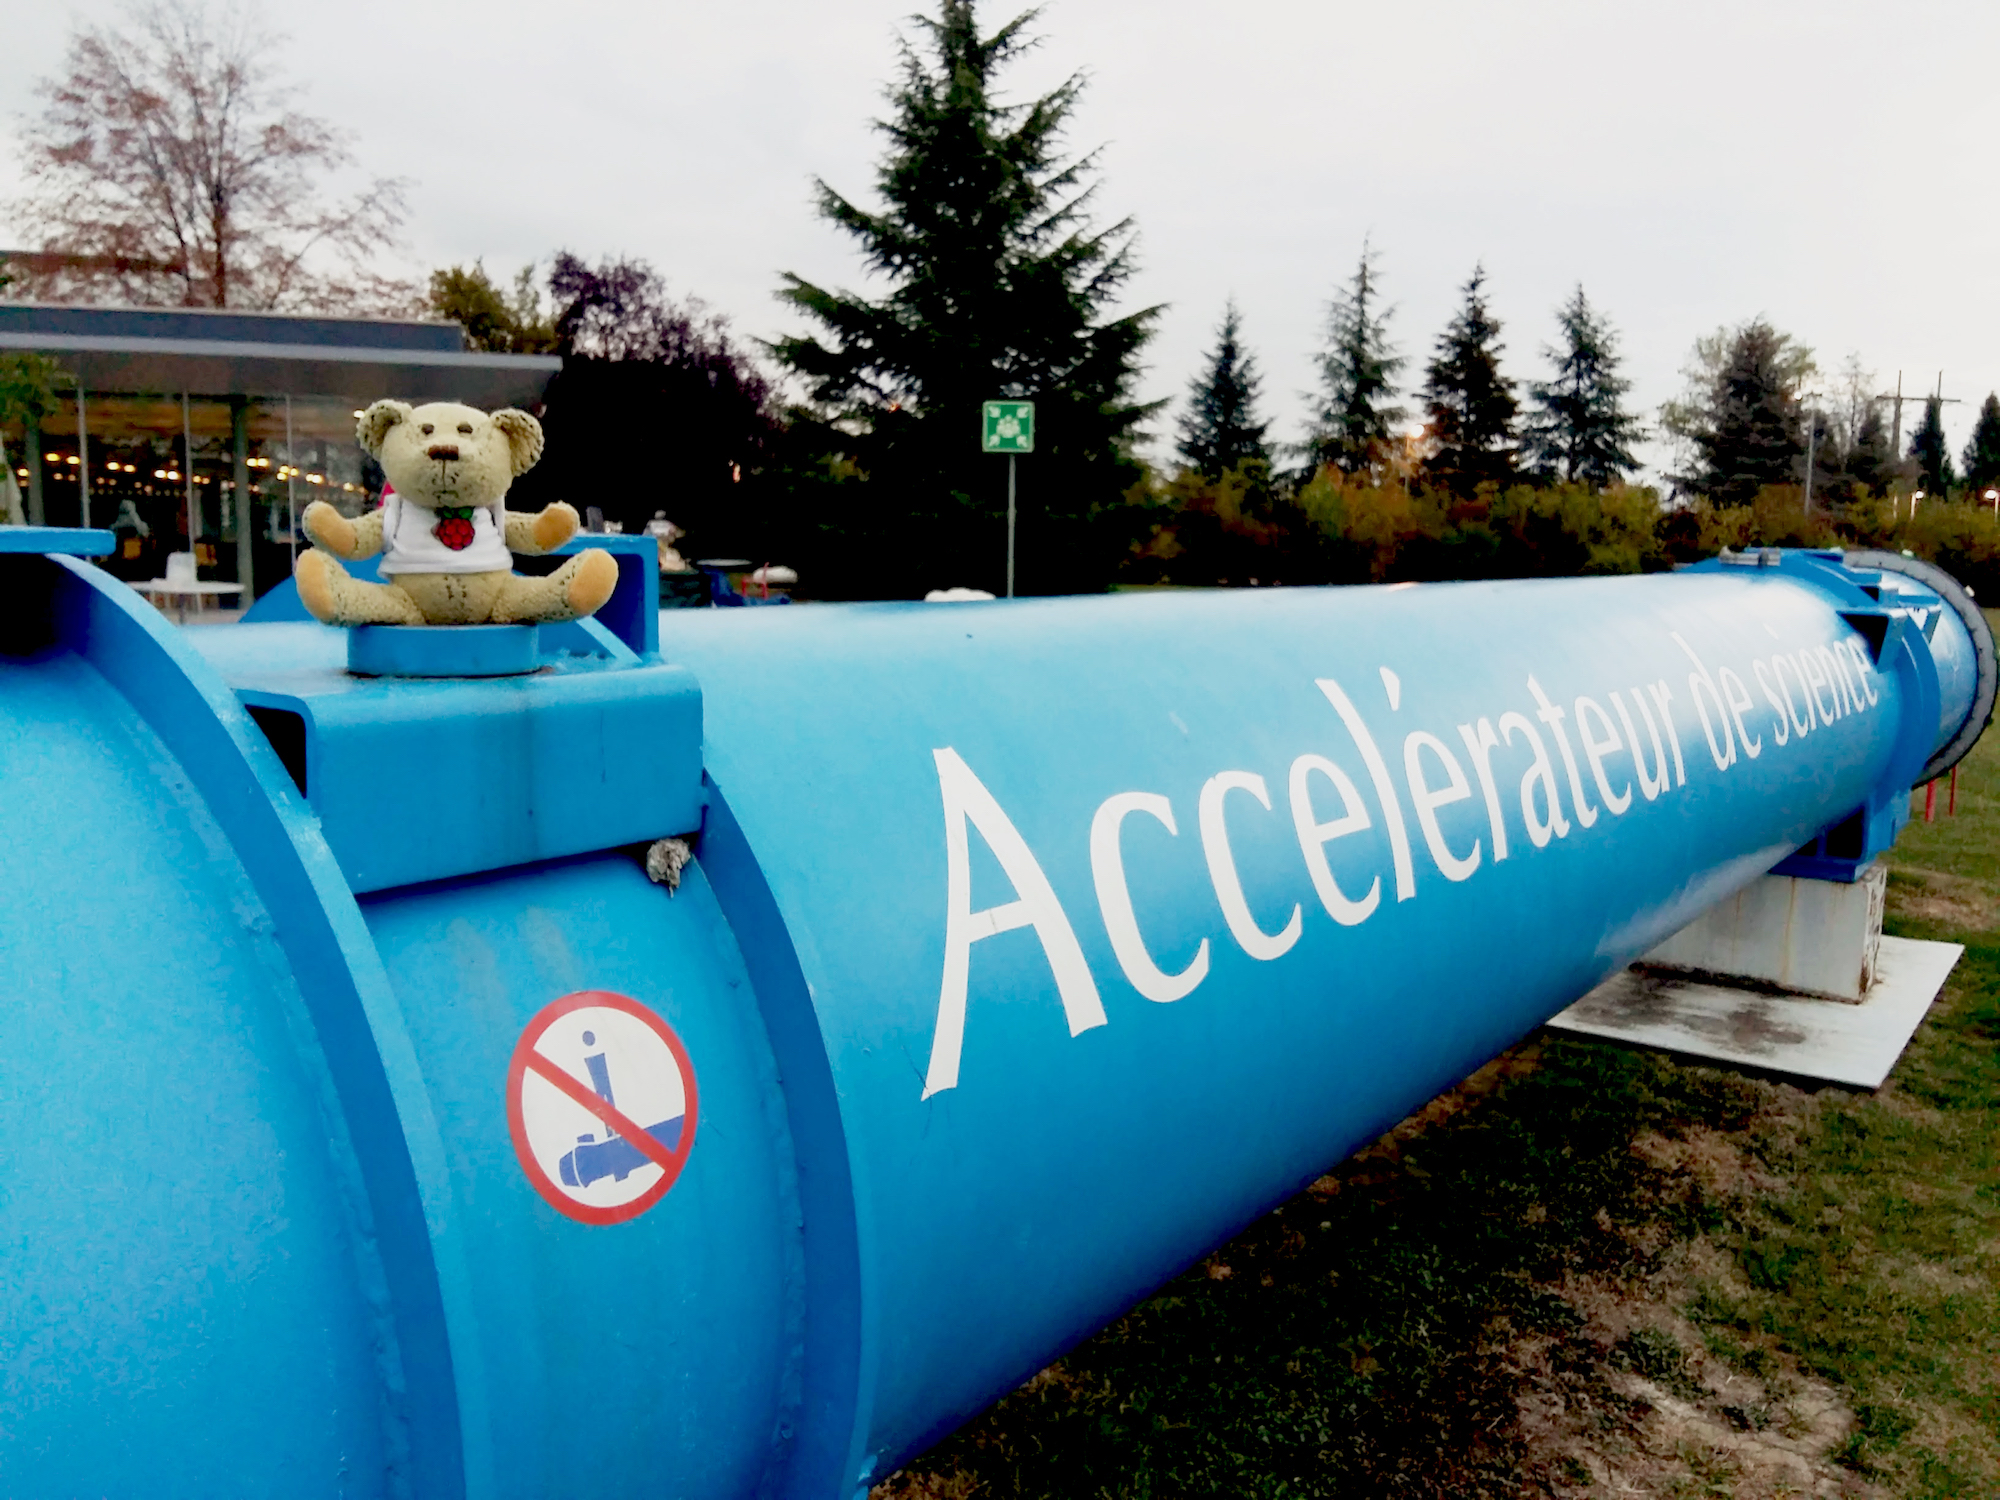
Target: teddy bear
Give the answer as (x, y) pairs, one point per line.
(445, 535)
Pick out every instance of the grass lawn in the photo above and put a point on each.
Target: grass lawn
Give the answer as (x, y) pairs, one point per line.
(1589, 1271)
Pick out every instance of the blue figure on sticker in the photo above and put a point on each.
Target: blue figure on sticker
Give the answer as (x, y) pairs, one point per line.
(613, 1157)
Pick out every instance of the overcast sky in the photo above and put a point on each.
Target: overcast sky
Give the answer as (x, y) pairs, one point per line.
(1827, 164)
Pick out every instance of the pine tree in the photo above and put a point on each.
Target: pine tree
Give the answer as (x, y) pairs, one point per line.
(1472, 406)
(1982, 454)
(1747, 428)
(1854, 454)
(1577, 427)
(1357, 374)
(1000, 286)
(1928, 452)
(1220, 429)
(1870, 459)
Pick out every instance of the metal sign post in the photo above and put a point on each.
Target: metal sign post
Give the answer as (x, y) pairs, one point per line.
(1008, 427)
(82, 457)
(187, 476)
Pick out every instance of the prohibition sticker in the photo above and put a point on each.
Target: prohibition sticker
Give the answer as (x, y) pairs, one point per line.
(601, 1105)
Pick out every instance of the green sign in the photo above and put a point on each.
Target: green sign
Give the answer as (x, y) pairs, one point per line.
(1007, 427)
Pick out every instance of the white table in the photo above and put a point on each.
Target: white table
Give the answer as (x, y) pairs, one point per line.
(183, 589)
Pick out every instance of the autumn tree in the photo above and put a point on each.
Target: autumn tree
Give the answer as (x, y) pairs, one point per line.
(1853, 454)
(1357, 412)
(496, 319)
(994, 281)
(167, 167)
(656, 407)
(1472, 406)
(28, 386)
(1220, 430)
(1577, 428)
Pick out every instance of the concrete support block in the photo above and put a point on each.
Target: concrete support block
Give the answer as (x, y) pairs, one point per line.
(1810, 937)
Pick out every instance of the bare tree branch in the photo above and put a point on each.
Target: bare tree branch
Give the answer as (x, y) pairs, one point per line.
(165, 169)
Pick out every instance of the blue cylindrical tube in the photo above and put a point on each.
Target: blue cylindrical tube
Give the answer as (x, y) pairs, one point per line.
(1026, 952)
(1196, 895)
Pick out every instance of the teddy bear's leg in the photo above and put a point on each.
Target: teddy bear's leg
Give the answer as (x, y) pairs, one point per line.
(578, 588)
(333, 598)
(454, 598)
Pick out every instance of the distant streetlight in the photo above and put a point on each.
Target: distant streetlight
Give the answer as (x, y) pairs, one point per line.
(1994, 497)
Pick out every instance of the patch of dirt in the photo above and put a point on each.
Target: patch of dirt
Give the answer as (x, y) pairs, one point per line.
(1943, 899)
(1634, 1403)
(1929, 1278)
(1715, 1160)
(908, 1484)
(1621, 1393)
(1956, 1430)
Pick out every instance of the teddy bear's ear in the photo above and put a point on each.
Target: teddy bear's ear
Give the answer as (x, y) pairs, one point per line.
(374, 424)
(524, 437)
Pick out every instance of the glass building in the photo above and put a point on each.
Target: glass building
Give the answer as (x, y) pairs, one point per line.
(219, 427)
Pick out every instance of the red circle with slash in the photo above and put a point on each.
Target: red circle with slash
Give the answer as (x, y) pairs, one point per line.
(641, 1053)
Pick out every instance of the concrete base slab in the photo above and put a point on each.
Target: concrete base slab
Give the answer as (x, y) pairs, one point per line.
(1826, 1040)
(1807, 937)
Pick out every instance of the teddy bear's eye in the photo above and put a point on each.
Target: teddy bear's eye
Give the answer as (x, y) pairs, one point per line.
(466, 428)
(429, 428)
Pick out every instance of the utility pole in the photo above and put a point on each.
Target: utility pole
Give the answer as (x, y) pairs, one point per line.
(1896, 427)
(82, 457)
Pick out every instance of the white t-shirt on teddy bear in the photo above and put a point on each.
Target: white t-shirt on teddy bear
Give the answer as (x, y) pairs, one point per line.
(410, 543)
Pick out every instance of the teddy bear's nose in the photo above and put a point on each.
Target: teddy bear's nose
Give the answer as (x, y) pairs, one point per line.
(441, 450)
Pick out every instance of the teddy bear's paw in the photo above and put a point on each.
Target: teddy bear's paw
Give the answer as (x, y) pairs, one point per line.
(591, 585)
(555, 525)
(329, 528)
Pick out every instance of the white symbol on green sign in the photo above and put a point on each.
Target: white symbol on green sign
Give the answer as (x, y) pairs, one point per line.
(1007, 427)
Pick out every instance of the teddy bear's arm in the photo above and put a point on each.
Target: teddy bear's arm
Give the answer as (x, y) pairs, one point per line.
(352, 540)
(544, 531)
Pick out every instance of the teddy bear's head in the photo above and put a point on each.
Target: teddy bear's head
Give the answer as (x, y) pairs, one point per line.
(447, 454)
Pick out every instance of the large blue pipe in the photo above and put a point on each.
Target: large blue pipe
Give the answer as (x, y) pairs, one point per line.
(374, 1126)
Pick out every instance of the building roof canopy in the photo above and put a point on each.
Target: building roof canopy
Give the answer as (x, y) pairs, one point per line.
(228, 353)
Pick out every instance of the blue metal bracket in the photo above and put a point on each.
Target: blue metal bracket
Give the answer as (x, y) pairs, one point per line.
(633, 611)
(479, 774)
(1898, 642)
(58, 541)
